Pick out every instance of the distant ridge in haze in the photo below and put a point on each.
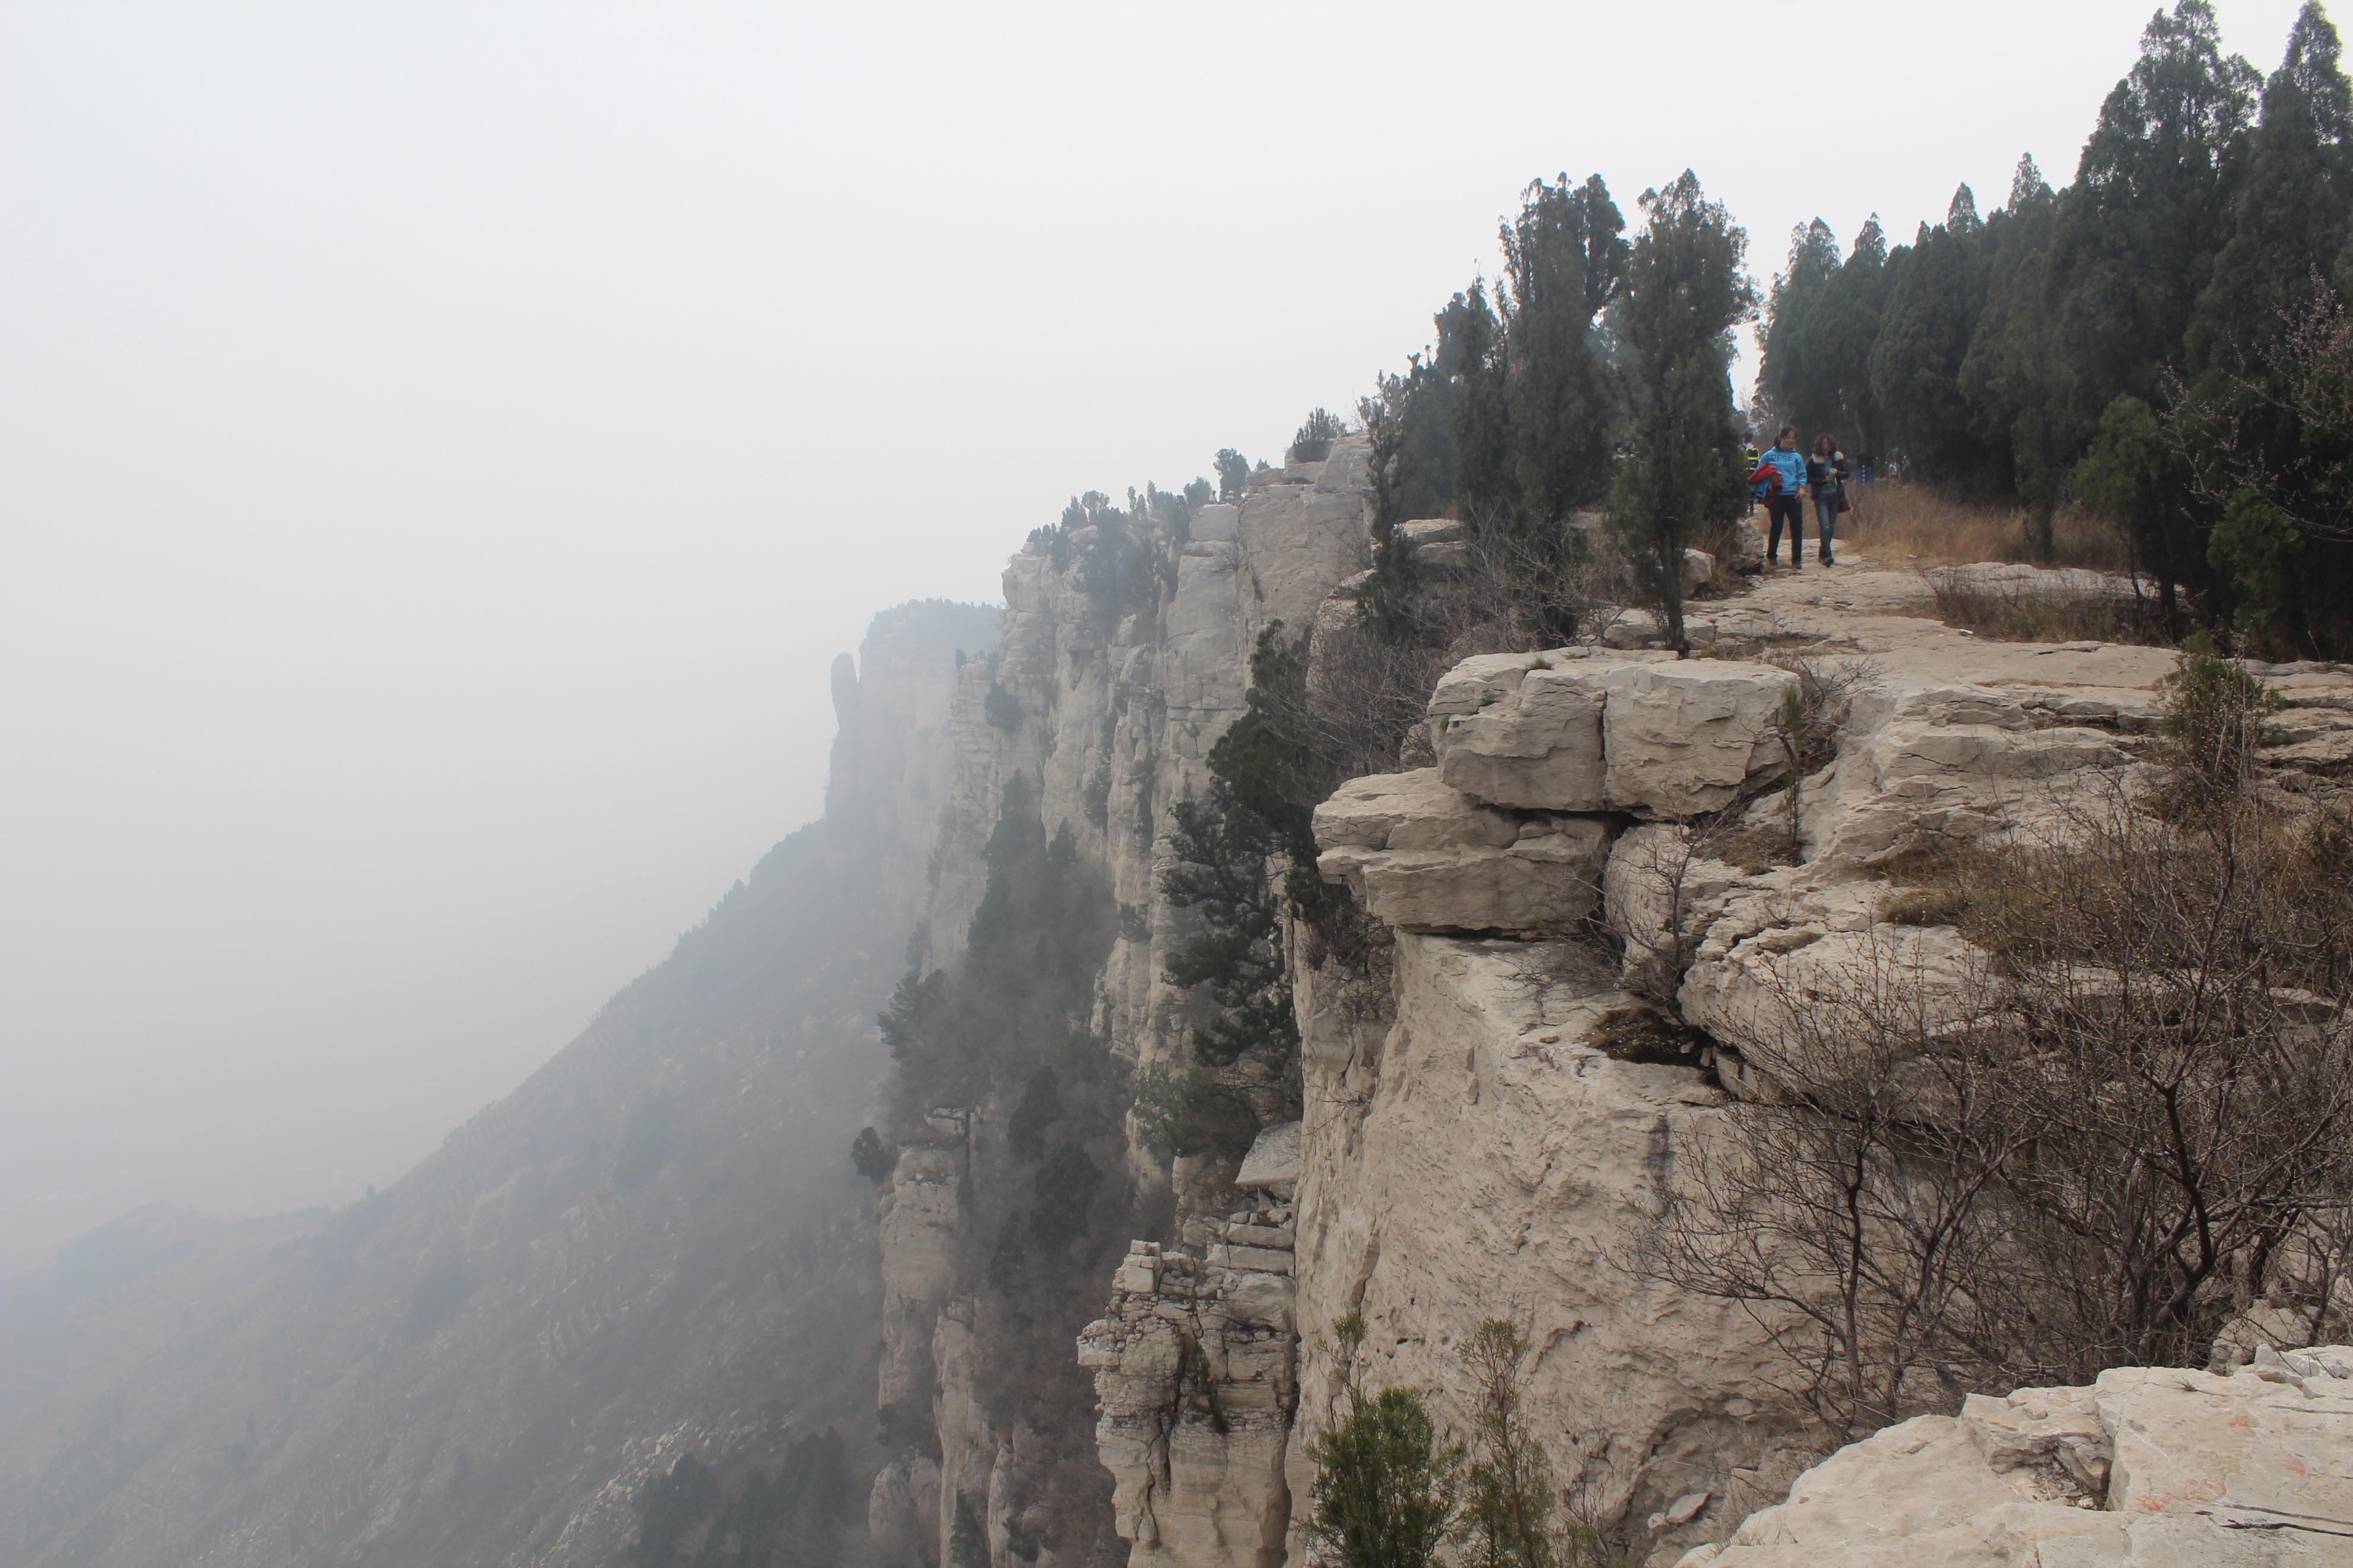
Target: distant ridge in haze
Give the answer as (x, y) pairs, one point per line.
(651, 1250)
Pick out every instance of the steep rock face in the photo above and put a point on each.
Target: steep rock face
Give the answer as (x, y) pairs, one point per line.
(1486, 1157)
(1105, 704)
(648, 1251)
(1473, 1147)
(2160, 1467)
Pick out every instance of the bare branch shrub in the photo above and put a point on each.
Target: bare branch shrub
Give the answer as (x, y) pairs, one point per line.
(1492, 592)
(2128, 1120)
(1842, 1216)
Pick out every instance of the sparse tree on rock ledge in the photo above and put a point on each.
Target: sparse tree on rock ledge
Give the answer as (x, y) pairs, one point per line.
(1678, 486)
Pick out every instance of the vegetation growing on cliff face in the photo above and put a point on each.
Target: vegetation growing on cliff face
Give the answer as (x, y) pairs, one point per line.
(1388, 1483)
(687, 1518)
(998, 1067)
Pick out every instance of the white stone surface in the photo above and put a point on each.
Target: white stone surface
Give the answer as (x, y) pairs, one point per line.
(2153, 1467)
(1680, 739)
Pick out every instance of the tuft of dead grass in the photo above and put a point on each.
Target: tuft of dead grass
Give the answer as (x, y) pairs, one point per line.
(2055, 614)
(1895, 523)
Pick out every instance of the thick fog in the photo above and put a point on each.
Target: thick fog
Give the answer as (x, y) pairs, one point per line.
(442, 445)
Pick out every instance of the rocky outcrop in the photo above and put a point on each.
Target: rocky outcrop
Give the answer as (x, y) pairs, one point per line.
(1574, 730)
(1491, 1142)
(1425, 856)
(1491, 1105)
(2157, 1466)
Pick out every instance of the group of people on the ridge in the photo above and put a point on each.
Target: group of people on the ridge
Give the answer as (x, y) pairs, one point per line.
(1778, 476)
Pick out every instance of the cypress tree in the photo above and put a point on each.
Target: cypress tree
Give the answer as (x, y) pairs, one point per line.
(1562, 259)
(2289, 224)
(2288, 210)
(1845, 327)
(2146, 214)
(2007, 376)
(1798, 371)
(1481, 421)
(1685, 292)
(1933, 306)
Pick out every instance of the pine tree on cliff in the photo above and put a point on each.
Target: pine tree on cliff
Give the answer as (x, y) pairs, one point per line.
(1563, 258)
(1678, 486)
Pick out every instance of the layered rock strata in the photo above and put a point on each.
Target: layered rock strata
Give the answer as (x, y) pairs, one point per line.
(1194, 1372)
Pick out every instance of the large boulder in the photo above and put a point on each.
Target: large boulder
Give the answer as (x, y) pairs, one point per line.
(1539, 748)
(1423, 855)
(1573, 730)
(1680, 739)
(1962, 763)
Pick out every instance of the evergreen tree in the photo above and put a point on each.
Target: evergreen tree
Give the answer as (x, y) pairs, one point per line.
(2007, 375)
(1508, 1502)
(1233, 473)
(2288, 210)
(1933, 303)
(1798, 372)
(1387, 1483)
(1564, 258)
(1843, 326)
(1678, 488)
(1484, 483)
(2147, 214)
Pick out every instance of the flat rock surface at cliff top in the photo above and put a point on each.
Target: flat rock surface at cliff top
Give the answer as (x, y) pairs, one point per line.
(1888, 611)
(2156, 1466)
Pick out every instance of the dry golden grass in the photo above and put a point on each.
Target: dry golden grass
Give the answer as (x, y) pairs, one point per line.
(1898, 524)
(2050, 615)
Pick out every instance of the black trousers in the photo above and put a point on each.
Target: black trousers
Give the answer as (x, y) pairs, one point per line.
(1793, 508)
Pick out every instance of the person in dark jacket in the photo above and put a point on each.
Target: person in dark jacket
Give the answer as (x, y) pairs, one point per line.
(1826, 475)
(1786, 504)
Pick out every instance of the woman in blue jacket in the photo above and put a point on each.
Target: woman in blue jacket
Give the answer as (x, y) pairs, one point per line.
(1785, 502)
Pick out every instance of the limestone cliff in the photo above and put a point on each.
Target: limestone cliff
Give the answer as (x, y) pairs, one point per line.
(1484, 1133)
(2157, 1466)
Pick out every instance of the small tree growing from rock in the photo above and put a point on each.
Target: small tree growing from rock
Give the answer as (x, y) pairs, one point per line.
(1676, 488)
(1387, 1485)
(1508, 1504)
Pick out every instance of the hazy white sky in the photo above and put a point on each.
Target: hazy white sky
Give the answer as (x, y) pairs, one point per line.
(442, 445)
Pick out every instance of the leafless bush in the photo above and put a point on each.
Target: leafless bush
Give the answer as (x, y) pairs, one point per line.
(2127, 1118)
(1369, 683)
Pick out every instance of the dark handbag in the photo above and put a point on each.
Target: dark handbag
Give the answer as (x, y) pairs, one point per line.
(1844, 504)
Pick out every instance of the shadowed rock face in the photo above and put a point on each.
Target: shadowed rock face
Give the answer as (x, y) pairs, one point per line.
(649, 1250)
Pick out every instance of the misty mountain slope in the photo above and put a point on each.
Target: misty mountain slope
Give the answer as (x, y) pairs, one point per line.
(652, 1248)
